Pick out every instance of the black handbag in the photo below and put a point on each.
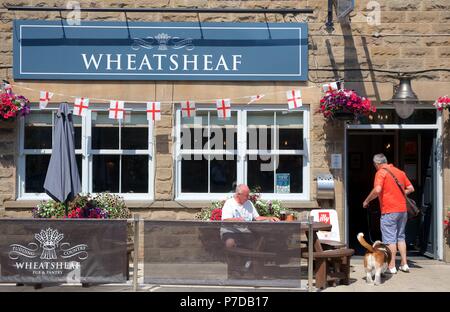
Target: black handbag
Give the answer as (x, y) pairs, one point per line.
(411, 206)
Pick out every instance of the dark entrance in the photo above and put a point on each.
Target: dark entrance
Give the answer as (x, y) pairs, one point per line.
(410, 150)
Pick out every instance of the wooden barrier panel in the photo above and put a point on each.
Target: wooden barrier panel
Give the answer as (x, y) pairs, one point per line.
(63, 251)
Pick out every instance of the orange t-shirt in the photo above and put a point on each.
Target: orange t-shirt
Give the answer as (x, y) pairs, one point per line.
(391, 198)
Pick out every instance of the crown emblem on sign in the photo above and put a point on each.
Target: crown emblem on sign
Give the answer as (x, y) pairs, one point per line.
(163, 40)
(49, 239)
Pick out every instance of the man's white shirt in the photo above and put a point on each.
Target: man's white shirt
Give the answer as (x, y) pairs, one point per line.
(232, 209)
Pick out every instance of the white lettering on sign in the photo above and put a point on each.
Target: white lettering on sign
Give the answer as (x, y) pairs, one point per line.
(161, 62)
(324, 217)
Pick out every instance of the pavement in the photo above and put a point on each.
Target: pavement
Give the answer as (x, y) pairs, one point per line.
(425, 276)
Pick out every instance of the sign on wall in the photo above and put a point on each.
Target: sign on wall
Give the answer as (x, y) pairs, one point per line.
(68, 251)
(160, 51)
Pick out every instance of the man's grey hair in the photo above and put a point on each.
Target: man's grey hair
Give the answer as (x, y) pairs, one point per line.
(241, 187)
(380, 159)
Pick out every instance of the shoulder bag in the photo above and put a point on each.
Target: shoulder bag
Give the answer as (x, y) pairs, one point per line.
(411, 206)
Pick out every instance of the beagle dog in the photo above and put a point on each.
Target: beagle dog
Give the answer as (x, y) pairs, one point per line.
(376, 259)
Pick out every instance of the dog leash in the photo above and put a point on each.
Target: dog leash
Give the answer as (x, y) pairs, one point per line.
(368, 225)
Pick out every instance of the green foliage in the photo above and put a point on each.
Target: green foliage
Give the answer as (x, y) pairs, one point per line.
(49, 209)
(113, 204)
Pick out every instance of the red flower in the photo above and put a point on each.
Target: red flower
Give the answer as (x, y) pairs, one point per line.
(216, 214)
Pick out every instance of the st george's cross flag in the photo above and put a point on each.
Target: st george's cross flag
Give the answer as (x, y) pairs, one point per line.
(187, 109)
(116, 109)
(294, 98)
(255, 98)
(80, 106)
(44, 97)
(223, 108)
(330, 87)
(153, 111)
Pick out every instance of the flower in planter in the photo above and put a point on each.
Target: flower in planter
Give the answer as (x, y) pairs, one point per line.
(12, 105)
(101, 206)
(216, 214)
(442, 103)
(345, 101)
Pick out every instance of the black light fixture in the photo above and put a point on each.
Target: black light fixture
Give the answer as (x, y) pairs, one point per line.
(404, 99)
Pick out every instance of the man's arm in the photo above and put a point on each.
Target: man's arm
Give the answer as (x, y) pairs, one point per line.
(270, 218)
(233, 219)
(373, 194)
(409, 189)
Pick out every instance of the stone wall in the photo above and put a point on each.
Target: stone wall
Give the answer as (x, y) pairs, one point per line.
(409, 36)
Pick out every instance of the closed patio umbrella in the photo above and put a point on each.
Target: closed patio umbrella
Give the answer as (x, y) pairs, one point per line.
(62, 182)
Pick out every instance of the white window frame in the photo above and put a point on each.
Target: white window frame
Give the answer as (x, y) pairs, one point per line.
(87, 158)
(242, 152)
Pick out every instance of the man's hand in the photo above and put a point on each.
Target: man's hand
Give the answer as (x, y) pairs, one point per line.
(365, 204)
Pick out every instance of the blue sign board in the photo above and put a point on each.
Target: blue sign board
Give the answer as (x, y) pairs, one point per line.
(160, 51)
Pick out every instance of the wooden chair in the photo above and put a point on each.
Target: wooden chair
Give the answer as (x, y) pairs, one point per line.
(331, 266)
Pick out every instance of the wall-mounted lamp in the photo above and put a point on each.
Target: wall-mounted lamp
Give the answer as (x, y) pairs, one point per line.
(404, 99)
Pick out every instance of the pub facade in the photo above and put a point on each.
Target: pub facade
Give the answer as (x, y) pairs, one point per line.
(168, 166)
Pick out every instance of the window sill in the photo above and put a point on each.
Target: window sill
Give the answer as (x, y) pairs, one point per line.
(174, 204)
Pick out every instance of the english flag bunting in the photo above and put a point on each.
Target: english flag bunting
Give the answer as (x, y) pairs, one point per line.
(255, 98)
(294, 98)
(44, 97)
(80, 107)
(330, 87)
(223, 108)
(188, 109)
(116, 109)
(153, 111)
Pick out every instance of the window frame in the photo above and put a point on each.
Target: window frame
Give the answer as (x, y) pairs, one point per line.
(87, 156)
(242, 152)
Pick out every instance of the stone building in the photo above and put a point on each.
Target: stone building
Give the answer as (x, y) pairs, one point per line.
(382, 40)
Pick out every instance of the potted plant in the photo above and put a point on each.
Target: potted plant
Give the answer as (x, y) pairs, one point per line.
(345, 104)
(442, 103)
(12, 105)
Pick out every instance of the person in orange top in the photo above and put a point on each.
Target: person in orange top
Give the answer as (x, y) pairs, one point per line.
(393, 208)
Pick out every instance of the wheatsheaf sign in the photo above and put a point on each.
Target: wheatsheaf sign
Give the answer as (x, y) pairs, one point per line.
(160, 51)
(71, 251)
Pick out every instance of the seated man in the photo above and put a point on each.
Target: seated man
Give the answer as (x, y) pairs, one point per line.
(239, 208)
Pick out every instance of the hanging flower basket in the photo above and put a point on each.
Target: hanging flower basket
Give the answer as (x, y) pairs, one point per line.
(442, 103)
(345, 104)
(12, 105)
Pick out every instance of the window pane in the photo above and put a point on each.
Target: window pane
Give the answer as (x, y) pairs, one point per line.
(260, 172)
(292, 165)
(135, 132)
(38, 131)
(223, 174)
(223, 132)
(105, 173)
(35, 172)
(194, 131)
(77, 128)
(290, 130)
(194, 175)
(79, 159)
(105, 131)
(260, 127)
(135, 174)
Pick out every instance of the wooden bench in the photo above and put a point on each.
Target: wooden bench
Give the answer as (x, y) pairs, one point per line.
(237, 256)
(331, 265)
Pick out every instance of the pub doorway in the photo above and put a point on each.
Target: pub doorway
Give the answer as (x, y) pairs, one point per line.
(413, 151)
